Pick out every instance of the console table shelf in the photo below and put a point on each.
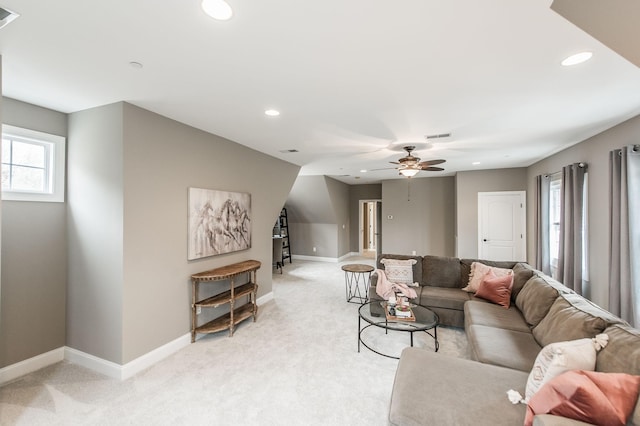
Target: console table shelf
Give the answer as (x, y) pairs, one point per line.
(225, 297)
(235, 314)
(224, 322)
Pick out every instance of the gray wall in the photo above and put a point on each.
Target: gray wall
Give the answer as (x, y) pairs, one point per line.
(318, 212)
(423, 213)
(468, 184)
(34, 257)
(594, 152)
(151, 163)
(339, 195)
(95, 232)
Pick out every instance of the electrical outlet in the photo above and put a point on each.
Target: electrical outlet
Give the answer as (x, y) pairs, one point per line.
(314, 249)
(198, 310)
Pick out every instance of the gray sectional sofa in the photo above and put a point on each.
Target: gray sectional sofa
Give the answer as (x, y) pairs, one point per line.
(432, 389)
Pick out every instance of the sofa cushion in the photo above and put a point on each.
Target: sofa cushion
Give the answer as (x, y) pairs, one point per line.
(522, 273)
(481, 313)
(553, 420)
(496, 289)
(506, 348)
(567, 322)
(428, 390)
(417, 268)
(439, 271)
(465, 267)
(440, 297)
(622, 354)
(535, 300)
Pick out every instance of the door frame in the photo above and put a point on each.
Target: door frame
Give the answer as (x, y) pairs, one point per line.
(361, 204)
(523, 218)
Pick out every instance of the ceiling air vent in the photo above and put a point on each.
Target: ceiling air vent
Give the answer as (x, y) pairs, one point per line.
(438, 136)
(6, 16)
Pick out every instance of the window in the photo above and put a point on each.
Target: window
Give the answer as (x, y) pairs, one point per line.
(555, 184)
(555, 202)
(32, 165)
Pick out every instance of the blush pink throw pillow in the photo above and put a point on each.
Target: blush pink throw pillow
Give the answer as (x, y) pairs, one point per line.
(496, 289)
(589, 396)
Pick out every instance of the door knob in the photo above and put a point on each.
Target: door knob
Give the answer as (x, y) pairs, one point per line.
(485, 240)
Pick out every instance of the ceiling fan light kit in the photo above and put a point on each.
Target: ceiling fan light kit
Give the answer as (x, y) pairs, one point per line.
(410, 165)
(409, 172)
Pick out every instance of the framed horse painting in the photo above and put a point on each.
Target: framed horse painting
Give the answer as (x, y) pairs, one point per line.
(219, 222)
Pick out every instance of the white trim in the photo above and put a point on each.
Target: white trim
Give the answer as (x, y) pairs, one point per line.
(314, 258)
(130, 369)
(19, 369)
(145, 361)
(102, 366)
(56, 168)
(325, 259)
(264, 299)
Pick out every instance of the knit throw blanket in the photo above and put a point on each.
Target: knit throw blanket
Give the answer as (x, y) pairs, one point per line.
(386, 288)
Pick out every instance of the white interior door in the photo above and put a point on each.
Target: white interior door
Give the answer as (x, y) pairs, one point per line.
(502, 225)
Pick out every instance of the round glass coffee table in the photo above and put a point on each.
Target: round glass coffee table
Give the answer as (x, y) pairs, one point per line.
(373, 314)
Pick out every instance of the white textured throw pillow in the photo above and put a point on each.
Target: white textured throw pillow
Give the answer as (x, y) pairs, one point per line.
(556, 358)
(399, 271)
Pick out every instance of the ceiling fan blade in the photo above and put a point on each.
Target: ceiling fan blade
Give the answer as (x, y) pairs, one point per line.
(432, 169)
(394, 162)
(431, 162)
(386, 168)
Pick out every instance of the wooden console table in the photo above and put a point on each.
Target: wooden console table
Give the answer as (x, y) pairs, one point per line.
(235, 315)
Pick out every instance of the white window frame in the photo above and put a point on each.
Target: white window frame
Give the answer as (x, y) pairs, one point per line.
(56, 165)
(554, 236)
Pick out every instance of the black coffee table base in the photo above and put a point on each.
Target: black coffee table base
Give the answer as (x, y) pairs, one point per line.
(384, 325)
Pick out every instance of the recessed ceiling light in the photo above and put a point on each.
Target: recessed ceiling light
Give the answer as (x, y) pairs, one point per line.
(217, 9)
(272, 112)
(475, 163)
(363, 171)
(136, 65)
(6, 16)
(576, 59)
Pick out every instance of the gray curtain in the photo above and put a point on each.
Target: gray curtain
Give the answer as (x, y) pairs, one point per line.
(542, 224)
(624, 234)
(571, 225)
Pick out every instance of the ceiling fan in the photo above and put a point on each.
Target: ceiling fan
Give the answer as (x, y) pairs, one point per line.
(410, 165)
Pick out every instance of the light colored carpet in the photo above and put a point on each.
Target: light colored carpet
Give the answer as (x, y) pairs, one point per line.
(297, 365)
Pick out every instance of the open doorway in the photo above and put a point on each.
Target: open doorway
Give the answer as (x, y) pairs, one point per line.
(370, 235)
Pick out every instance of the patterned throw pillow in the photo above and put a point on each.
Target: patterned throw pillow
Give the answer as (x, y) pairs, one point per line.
(556, 358)
(479, 270)
(399, 271)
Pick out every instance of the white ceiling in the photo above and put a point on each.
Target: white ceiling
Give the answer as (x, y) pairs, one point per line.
(354, 80)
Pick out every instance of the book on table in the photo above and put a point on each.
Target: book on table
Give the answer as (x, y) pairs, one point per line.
(399, 313)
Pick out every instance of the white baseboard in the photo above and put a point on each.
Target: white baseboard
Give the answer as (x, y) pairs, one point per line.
(264, 299)
(102, 366)
(92, 362)
(325, 259)
(314, 258)
(123, 372)
(19, 369)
